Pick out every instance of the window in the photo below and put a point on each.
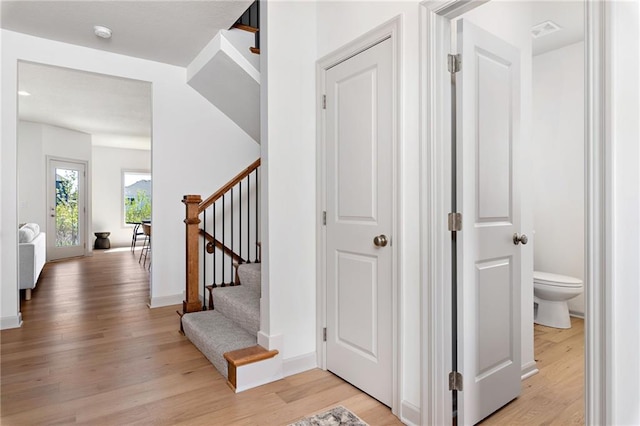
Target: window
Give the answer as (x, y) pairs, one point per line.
(136, 196)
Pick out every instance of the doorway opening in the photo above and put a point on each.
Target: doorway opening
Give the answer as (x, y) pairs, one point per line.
(77, 132)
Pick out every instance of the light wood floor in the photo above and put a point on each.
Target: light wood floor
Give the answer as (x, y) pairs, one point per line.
(90, 351)
(554, 396)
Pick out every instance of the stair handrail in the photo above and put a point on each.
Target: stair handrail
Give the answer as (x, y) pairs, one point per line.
(218, 244)
(223, 190)
(194, 206)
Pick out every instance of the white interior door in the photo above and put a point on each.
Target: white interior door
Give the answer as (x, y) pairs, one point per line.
(66, 209)
(488, 305)
(359, 196)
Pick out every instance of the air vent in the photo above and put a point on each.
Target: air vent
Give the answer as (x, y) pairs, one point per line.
(544, 28)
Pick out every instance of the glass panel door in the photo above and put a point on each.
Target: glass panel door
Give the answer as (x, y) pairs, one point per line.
(66, 230)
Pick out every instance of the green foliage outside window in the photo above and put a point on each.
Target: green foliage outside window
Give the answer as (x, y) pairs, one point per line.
(137, 209)
(67, 209)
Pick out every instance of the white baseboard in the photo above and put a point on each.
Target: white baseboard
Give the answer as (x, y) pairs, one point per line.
(410, 414)
(298, 364)
(528, 370)
(158, 302)
(576, 314)
(11, 322)
(274, 342)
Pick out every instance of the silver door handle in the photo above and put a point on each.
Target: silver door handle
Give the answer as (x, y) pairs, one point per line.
(380, 240)
(517, 239)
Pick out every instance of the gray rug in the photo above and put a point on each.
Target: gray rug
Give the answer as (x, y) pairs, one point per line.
(337, 416)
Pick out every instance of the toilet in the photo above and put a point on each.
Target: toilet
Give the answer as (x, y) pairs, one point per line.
(551, 293)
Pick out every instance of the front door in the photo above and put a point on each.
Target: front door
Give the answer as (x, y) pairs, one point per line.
(488, 305)
(359, 196)
(66, 226)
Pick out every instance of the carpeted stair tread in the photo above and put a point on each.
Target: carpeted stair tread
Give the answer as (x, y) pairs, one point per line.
(214, 335)
(249, 275)
(240, 304)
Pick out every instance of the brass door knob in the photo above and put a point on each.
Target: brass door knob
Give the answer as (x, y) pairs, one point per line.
(380, 240)
(517, 239)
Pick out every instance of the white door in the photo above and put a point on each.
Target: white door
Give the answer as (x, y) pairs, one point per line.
(358, 138)
(488, 305)
(66, 209)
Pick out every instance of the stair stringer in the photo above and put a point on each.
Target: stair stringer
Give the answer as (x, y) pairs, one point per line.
(229, 80)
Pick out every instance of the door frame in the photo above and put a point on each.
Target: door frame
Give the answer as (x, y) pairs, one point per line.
(435, 158)
(86, 193)
(392, 30)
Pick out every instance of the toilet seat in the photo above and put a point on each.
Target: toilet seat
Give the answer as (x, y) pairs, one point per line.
(556, 280)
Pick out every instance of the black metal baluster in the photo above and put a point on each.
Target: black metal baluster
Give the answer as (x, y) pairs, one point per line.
(232, 232)
(248, 219)
(256, 189)
(224, 207)
(215, 278)
(240, 218)
(204, 262)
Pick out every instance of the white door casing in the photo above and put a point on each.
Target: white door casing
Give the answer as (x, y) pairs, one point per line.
(359, 205)
(488, 306)
(70, 240)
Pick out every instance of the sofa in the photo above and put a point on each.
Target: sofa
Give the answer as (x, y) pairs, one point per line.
(32, 254)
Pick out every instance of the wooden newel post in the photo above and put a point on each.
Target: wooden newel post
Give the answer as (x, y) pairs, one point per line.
(192, 222)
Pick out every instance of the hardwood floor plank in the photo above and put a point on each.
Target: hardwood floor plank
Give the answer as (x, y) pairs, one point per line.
(556, 394)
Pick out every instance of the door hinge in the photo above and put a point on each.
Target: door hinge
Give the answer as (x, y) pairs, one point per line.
(324, 218)
(455, 221)
(324, 334)
(455, 381)
(454, 63)
(324, 101)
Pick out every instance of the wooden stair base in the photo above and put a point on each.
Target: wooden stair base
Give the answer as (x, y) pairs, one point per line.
(242, 357)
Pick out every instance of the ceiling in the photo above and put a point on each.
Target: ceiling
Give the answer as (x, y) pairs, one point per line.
(116, 111)
(173, 32)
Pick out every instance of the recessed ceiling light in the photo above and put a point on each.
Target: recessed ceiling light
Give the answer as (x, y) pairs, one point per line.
(102, 32)
(544, 28)
(23, 93)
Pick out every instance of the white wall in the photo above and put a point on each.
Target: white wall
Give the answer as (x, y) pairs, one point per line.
(289, 175)
(36, 142)
(108, 165)
(511, 21)
(623, 165)
(558, 163)
(189, 135)
(31, 175)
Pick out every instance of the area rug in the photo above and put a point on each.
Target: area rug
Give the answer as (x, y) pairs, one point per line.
(337, 416)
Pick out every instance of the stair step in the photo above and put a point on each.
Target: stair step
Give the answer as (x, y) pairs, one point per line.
(250, 275)
(240, 304)
(214, 335)
(245, 356)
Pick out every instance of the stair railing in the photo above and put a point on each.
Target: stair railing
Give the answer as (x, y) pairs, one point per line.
(227, 223)
(250, 21)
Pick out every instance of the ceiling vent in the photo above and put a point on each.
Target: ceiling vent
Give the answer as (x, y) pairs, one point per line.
(544, 28)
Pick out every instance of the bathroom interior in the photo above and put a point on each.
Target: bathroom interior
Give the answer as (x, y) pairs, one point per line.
(558, 169)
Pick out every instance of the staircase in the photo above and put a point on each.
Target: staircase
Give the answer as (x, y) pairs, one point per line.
(227, 72)
(221, 313)
(227, 334)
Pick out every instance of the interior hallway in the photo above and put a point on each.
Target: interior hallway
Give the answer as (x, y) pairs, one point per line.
(91, 351)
